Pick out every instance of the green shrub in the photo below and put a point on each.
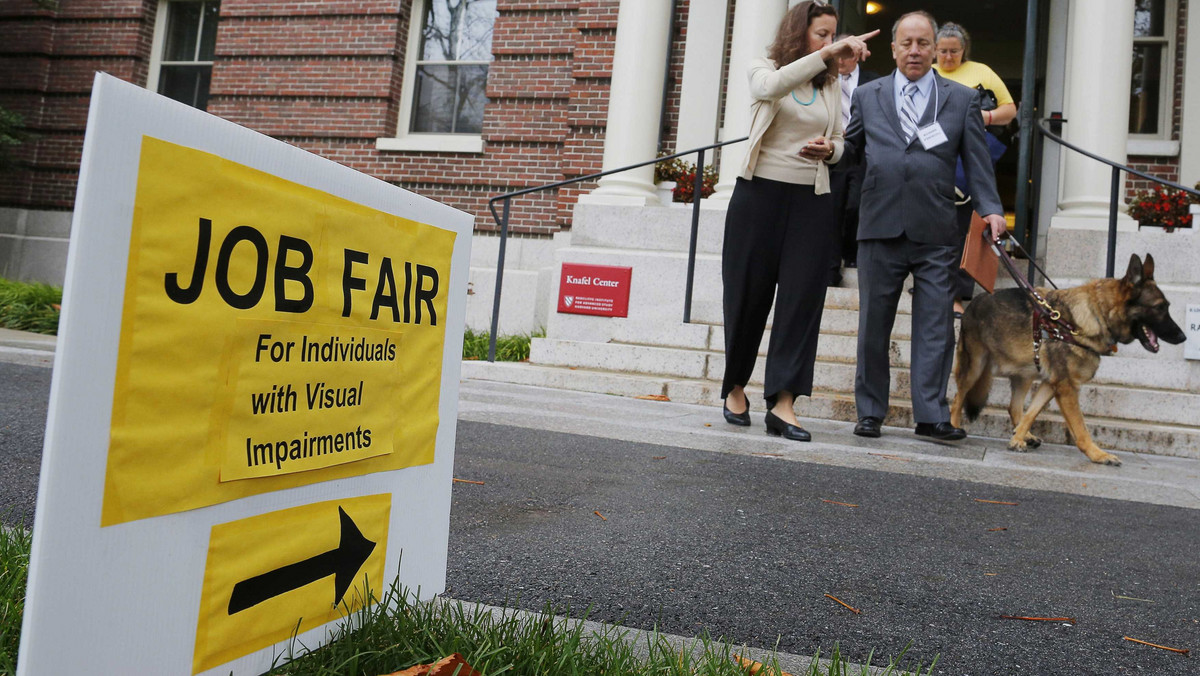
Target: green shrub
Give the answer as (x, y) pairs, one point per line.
(29, 306)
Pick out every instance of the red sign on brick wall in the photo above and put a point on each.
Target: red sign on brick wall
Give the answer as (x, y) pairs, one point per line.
(594, 290)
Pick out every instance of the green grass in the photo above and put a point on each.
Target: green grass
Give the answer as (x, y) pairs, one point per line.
(508, 348)
(400, 632)
(14, 570)
(29, 307)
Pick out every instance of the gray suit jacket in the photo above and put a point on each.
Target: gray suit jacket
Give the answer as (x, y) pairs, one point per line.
(910, 190)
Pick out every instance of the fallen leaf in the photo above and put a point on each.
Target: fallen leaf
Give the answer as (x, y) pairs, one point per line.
(997, 502)
(653, 397)
(597, 513)
(992, 530)
(708, 424)
(757, 668)
(468, 481)
(659, 457)
(443, 667)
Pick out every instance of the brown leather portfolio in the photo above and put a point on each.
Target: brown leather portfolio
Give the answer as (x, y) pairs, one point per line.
(978, 259)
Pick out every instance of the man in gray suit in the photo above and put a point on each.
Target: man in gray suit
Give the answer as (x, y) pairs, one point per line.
(910, 127)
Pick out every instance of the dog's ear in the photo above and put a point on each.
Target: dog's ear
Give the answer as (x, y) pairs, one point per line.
(1148, 268)
(1133, 274)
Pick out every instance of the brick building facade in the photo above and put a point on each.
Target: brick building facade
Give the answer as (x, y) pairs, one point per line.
(330, 77)
(327, 77)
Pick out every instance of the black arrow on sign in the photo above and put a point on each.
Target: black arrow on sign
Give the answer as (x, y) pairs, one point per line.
(342, 563)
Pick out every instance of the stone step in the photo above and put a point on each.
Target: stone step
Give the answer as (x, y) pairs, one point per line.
(1111, 434)
(834, 373)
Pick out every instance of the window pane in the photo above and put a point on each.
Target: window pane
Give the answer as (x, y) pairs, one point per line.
(208, 36)
(188, 84)
(458, 30)
(183, 23)
(449, 99)
(1149, 18)
(1145, 88)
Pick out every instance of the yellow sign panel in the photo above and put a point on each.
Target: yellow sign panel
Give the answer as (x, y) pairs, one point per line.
(272, 336)
(302, 567)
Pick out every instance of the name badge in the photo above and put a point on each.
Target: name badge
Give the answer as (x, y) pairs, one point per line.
(932, 136)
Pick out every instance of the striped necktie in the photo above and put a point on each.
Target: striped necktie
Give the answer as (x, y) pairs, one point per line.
(908, 112)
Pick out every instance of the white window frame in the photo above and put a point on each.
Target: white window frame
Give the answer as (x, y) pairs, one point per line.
(421, 141)
(1161, 144)
(156, 45)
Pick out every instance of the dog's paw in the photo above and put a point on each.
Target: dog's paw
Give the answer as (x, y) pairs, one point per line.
(1018, 445)
(1108, 459)
(1032, 441)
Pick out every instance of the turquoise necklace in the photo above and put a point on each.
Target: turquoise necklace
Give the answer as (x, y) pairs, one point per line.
(810, 101)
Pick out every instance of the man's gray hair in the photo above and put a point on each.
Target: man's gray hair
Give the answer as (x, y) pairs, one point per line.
(919, 12)
(953, 30)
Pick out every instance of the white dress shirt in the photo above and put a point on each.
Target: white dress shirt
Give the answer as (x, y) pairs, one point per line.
(849, 83)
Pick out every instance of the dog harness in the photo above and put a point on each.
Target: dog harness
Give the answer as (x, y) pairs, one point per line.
(1048, 323)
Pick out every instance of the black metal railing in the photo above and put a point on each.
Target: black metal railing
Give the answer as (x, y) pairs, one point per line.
(1115, 195)
(502, 221)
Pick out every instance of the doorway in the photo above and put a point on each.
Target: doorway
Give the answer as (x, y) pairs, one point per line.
(997, 30)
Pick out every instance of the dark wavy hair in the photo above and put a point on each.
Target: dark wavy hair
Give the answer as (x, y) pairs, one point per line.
(791, 42)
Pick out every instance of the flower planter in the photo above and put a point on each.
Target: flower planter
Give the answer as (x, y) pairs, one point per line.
(665, 192)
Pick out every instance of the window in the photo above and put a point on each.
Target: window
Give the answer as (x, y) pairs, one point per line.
(449, 52)
(184, 41)
(1152, 85)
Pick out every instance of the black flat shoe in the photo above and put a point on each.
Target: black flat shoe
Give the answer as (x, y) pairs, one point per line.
(776, 427)
(868, 427)
(942, 431)
(740, 419)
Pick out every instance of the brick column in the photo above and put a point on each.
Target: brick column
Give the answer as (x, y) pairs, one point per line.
(635, 102)
(755, 23)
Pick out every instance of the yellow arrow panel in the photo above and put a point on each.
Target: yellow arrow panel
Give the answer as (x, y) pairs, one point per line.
(300, 567)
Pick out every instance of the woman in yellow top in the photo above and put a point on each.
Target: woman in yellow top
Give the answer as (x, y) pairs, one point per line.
(780, 226)
(953, 63)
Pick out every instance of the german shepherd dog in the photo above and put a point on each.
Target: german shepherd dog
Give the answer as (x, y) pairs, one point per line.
(996, 339)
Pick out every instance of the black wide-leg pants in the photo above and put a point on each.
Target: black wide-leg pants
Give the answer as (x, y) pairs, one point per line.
(778, 241)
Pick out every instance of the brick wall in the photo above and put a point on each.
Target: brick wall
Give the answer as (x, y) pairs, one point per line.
(328, 77)
(48, 59)
(1166, 167)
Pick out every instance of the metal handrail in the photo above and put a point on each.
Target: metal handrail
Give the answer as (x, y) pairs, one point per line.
(502, 221)
(1117, 168)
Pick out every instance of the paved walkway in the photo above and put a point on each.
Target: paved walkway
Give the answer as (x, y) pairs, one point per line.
(1142, 478)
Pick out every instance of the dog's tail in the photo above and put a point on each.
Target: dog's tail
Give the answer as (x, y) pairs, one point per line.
(973, 371)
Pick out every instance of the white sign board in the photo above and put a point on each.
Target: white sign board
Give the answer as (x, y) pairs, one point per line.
(253, 406)
(1191, 327)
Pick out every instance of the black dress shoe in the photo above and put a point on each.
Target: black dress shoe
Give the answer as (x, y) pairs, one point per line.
(868, 427)
(740, 419)
(942, 431)
(777, 427)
